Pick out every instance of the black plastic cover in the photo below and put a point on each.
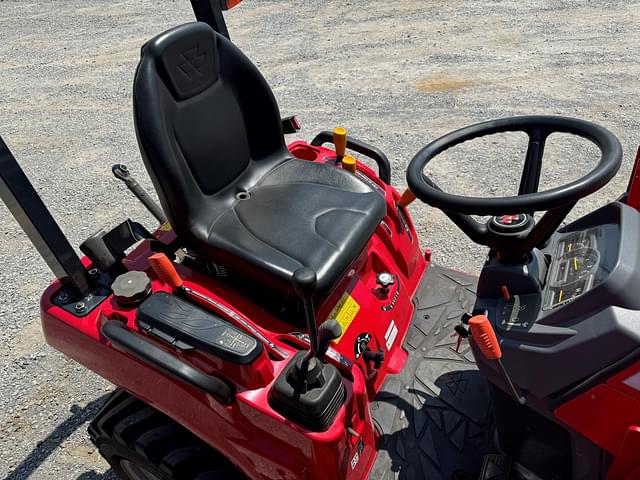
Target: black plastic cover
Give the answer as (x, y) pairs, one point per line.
(314, 409)
(184, 325)
(107, 249)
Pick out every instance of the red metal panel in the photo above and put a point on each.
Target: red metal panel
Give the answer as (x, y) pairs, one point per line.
(604, 413)
(257, 439)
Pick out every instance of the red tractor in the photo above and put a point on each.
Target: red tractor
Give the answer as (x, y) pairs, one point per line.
(283, 322)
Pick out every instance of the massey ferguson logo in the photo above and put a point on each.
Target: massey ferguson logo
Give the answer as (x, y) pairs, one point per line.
(509, 219)
(193, 61)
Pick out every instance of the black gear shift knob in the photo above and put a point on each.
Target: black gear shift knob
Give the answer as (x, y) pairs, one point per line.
(328, 331)
(304, 282)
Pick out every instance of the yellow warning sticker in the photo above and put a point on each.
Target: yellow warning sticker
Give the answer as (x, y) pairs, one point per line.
(344, 312)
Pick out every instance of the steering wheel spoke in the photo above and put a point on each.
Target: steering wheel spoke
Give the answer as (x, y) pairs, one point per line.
(548, 223)
(530, 179)
(475, 230)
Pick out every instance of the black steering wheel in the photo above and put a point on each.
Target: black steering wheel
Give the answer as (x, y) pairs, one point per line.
(512, 228)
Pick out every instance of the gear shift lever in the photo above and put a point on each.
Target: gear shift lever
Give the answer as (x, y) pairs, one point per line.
(309, 366)
(308, 390)
(304, 283)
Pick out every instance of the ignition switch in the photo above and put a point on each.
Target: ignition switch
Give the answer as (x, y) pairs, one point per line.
(376, 357)
(361, 349)
(361, 344)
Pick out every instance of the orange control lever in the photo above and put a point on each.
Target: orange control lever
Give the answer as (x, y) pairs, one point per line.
(485, 337)
(340, 141)
(165, 270)
(349, 163)
(406, 198)
(505, 293)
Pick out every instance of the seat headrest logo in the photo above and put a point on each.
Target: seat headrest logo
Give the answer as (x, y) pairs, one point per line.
(193, 62)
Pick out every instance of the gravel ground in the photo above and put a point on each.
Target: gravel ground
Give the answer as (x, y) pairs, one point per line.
(397, 74)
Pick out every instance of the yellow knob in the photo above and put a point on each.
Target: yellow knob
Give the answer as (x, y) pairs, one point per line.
(406, 198)
(340, 141)
(349, 163)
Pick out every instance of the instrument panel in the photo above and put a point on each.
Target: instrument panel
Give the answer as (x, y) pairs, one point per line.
(575, 268)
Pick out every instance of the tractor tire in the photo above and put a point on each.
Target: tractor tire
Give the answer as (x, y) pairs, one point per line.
(141, 443)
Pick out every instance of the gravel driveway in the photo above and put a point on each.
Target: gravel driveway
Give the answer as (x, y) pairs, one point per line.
(396, 73)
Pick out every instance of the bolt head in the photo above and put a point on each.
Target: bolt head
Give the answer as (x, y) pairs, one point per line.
(80, 307)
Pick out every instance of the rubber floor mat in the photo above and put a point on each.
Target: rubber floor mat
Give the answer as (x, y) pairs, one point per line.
(435, 415)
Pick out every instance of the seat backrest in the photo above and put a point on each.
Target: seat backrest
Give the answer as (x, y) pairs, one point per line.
(204, 117)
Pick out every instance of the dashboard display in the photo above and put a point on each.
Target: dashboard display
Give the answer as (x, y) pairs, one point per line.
(576, 242)
(574, 270)
(576, 265)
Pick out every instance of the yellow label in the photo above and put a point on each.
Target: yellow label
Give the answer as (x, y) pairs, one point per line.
(165, 227)
(344, 312)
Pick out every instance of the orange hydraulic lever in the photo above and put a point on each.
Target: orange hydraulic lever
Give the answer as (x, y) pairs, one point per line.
(165, 270)
(340, 142)
(485, 338)
(406, 198)
(349, 163)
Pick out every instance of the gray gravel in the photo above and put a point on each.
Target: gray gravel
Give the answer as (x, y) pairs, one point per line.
(398, 74)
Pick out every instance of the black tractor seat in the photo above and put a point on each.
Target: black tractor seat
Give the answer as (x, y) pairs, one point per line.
(210, 134)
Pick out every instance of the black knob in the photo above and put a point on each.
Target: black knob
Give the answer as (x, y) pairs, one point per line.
(328, 331)
(304, 282)
(385, 280)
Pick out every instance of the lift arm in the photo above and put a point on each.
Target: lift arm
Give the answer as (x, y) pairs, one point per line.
(26, 206)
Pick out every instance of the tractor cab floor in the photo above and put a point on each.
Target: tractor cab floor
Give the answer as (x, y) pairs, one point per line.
(435, 416)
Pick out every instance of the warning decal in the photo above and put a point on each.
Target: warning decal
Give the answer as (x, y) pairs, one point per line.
(344, 312)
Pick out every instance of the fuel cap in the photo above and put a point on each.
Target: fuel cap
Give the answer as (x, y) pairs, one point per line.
(131, 288)
(510, 223)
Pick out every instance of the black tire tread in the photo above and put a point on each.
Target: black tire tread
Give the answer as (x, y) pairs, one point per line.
(143, 434)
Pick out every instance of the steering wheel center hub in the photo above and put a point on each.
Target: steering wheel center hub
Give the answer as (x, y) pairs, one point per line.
(513, 223)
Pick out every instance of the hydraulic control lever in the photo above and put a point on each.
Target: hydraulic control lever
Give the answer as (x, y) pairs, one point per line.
(308, 367)
(485, 338)
(328, 332)
(121, 172)
(340, 142)
(304, 284)
(309, 391)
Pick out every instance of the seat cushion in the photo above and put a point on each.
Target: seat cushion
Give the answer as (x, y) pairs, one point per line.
(299, 214)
